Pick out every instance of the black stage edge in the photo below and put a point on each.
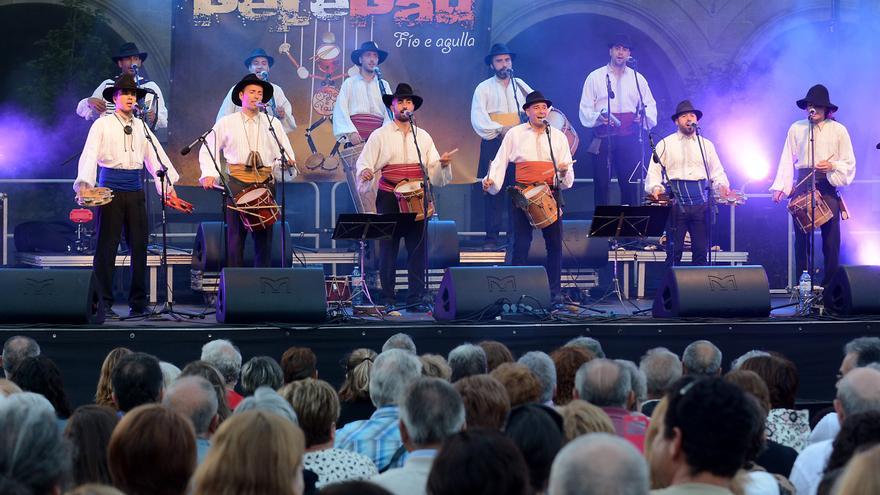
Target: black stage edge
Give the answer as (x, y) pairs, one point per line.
(814, 345)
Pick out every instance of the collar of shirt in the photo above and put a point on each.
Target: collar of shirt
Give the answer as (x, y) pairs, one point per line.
(386, 412)
(682, 136)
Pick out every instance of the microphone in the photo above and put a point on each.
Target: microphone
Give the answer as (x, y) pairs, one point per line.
(608, 85)
(134, 67)
(264, 76)
(630, 60)
(378, 72)
(878, 146)
(653, 148)
(544, 121)
(693, 125)
(191, 145)
(407, 114)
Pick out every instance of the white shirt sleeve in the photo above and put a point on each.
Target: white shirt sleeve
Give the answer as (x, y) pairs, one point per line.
(288, 150)
(226, 107)
(162, 121)
(586, 111)
(483, 125)
(498, 167)
(437, 173)
(84, 110)
(281, 101)
(87, 171)
(206, 165)
(785, 168)
(716, 171)
(153, 165)
(844, 168)
(342, 124)
(368, 160)
(650, 102)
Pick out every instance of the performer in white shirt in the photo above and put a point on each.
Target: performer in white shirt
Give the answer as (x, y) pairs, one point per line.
(260, 64)
(528, 147)
(835, 166)
(686, 184)
(359, 109)
(117, 148)
(495, 109)
(130, 61)
(390, 156)
(252, 158)
(617, 135)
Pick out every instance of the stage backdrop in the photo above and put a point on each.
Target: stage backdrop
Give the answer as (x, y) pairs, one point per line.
(435, 45)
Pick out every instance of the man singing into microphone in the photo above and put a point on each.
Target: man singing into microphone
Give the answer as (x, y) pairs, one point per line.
(259, 63)
(494, 111)
(130, 61)
(391, 155)
(687, 184)
(835, 166)
(528, 146)
(617, 134)
(252, 157)
(116, 150)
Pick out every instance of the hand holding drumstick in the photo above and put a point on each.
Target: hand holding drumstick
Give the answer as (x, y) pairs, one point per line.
(446, 158)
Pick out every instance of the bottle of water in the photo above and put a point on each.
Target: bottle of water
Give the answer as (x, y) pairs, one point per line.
(804, 291)
(356, 286)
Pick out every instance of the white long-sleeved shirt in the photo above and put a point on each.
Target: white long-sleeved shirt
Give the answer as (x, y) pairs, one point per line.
(358, 96)
(281, 101)
(681, 156)
(390, 144)
(108, 146)
(236, 135)
(523, 144)
(832, 143)
(85, 111)
(806, 473)
(492, 96)
(594, 97)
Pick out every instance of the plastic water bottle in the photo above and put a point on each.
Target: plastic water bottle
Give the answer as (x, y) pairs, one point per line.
(804, 290)
(356, 286)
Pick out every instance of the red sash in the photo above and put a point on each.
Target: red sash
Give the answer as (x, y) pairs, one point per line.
(396, 172)
(366, 123)
(534, 172)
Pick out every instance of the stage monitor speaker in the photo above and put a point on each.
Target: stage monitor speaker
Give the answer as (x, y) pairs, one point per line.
(208, 248)
(853, 291)
(578, 250)
(465, 292)
(713, 291)
(253, 295)
(443, 246)
(49, 296)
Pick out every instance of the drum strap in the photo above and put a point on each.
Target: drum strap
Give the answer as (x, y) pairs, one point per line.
(533, 172)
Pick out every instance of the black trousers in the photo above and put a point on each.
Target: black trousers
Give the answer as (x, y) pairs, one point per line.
(497, 207)
(522, 240)
(625, 156)
(236, 233)
(127, 214)
(684, 219)
(830, 243)
(416, 250)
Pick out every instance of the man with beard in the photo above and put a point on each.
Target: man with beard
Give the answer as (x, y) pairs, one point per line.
(260, 63)
(359, 108)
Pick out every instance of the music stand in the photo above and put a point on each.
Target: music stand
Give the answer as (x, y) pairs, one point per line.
(616, 221)
(363, 227)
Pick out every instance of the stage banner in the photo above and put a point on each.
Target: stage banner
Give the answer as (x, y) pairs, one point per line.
(437, 46)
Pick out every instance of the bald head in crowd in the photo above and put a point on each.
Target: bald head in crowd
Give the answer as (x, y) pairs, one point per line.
(662, 368)
(604, 383)
(701, 358)
(858, 392)
(194, 398)
(15, 350)
(598, 464)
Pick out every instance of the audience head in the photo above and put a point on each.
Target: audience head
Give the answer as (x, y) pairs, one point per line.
(260, 371)
(430, 411)
(662, 369)
(567, 361)
(536, 430)
(479, 461)
(861, 474)
(580, 418)
(857, 392)
(588, 344)
(316, 407)
(224, 356)
(8, 388)
(599, 463)
(298, 363)
(104, 393)
(268, 400)
(544, 370)
(194, 398)
(781, 376)
(400, 341)
(392, 372)
(94, 489)
(210, 373)
(435, 366)
(253, 453)
(88, 430)
(40, 375)
(136, 380)
(467, 360)
(496, 354)
(745, 357)
(637, 380)
(701, 358)
(604, 383)
(521, 384)
(169, 373)
(358, 365)
(660, 478)
(354, 488)
(858, 432)
(752, 383)
(34, 458)
(15, 350)
(858, 353)
(485, 399)
(152, 452)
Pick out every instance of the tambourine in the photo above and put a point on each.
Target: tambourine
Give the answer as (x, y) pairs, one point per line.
(178, 204)
(94, 196)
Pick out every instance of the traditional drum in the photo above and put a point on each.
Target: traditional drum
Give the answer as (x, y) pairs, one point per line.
(95, 196)
(257, 208)
(364, 201)
(558, 120)
(411, 198)
(542, 209)
(801, 209)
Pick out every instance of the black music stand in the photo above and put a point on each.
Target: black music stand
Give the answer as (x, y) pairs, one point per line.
(616, 221)
(363, 227)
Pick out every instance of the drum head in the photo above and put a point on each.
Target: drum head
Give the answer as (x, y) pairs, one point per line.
(252, 195)
(408, 186)
(533, 191)
(557, 119)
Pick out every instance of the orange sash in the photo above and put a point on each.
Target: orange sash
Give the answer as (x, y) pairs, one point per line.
(534, 172)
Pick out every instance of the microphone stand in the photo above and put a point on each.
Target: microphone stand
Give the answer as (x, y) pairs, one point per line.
(285, 165)
(519, 112)
(812, 236)
(610, 137)
(382, 91)
(664, 179)
(426, 200)
(710, 189)
(643, 126)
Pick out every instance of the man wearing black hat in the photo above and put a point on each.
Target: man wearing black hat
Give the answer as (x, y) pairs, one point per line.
(359, 109)
(389, 157)
(252, 157)
(494, 111)
(537, 163)
(116, 150)
(129, 60)
(617, 134)
(260, 63)
(685, 182)
(835, 166)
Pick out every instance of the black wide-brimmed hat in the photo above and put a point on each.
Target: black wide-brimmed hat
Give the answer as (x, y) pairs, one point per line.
(247, 80)
(620, 39)
(818, 96)
(368, 46)
(125, 81)
(498, 49)
(684, 107)
(403, 90)
(258, 52)
(129, 49)
(535, 97)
